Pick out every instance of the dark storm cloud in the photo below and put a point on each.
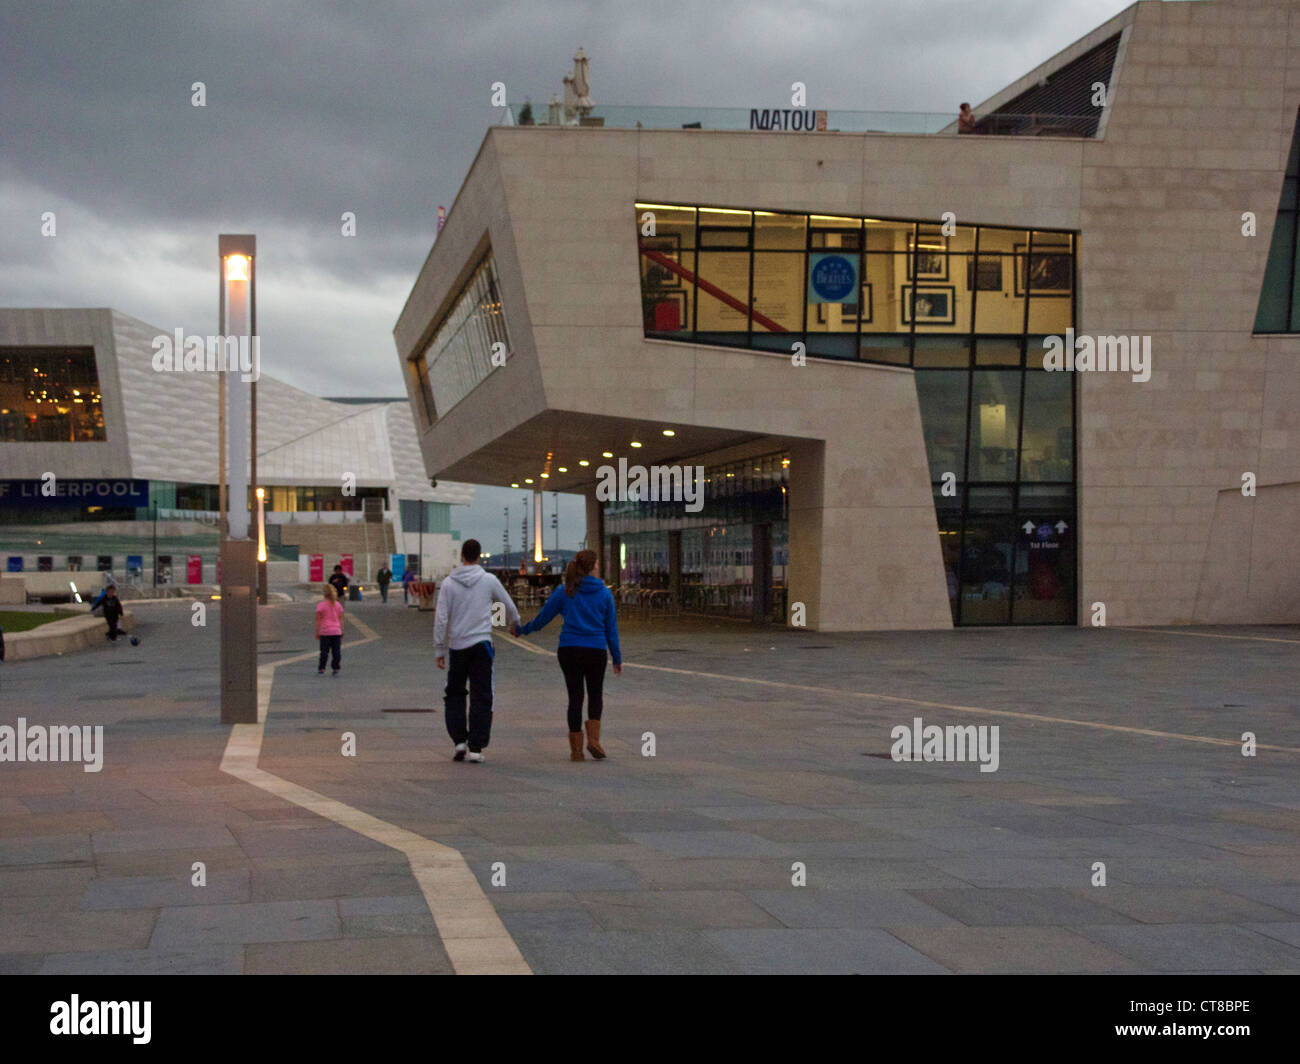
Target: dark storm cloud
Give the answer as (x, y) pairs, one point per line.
(318, 108)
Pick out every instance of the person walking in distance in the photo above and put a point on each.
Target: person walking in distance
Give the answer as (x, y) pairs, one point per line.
(340, 582)
(384, 577)
(462, 631)
(329, 628)
(590, 625)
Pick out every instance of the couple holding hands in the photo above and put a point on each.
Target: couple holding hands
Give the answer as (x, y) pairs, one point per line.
(462, 637)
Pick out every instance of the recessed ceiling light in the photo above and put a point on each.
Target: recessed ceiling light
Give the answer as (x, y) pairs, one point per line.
(669, 432)
(607, 454)
(514, 485)
(546, 476)
(584, 462)
(564, 469)
(635, 444)
(528, 480)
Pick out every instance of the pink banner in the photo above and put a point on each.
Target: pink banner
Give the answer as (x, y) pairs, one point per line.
(316, 568)
(194, 568)
(345, 560)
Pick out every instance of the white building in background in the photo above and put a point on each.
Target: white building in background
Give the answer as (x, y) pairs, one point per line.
(80, 398)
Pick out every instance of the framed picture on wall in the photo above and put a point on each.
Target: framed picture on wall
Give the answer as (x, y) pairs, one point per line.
(665, 310)
(657, 275)
(935, 304)
(1051, 272)
(850, 313)
(861, 310)
(927, 258)
(984, 274)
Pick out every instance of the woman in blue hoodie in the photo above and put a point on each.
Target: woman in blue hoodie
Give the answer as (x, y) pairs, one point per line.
(590, 626)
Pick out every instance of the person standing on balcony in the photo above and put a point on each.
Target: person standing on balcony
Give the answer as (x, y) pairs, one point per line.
(965, 119)
(590, 625)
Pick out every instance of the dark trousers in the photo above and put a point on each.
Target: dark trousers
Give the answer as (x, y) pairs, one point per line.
(473, 664)
(331, 646)
(383, 592)
(112, 628)
(583, 664)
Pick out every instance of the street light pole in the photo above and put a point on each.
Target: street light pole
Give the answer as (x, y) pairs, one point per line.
(239, 564)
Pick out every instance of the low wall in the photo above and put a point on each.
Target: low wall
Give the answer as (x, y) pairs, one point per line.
(60, 637)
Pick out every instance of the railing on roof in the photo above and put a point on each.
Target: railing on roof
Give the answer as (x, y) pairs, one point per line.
(813, 120)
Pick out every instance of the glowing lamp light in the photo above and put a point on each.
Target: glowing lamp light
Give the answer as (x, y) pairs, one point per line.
(584, 463)
(261, 524)
(607, 454)
(236, 267)
(635, 444)
(669, 432)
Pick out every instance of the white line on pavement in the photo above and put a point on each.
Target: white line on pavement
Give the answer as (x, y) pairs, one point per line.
(476, 941)
(1042, 718)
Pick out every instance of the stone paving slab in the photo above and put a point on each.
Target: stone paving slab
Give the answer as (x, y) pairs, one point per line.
(1022, 950)
(1197, 947)
(822, 952)
(812, 908)
(267, 921)
(391, 955)
(196, 960)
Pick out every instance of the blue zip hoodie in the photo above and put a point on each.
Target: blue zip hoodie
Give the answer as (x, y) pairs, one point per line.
(589, 617)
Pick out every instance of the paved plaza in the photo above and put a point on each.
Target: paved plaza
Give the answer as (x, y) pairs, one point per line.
(771, 766)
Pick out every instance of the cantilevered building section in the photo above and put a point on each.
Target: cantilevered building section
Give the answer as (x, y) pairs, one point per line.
(848, 333)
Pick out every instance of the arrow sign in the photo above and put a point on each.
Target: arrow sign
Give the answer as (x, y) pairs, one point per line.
(1028, 527)
(1061, 526)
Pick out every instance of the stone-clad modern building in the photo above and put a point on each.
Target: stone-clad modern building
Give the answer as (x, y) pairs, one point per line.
(649, 293)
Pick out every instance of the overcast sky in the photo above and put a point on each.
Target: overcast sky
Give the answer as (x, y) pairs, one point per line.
(316, 107)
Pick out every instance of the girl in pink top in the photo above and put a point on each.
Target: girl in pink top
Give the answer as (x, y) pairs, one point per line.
(329, 628)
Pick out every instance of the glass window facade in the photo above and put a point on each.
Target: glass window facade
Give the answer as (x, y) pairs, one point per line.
(1279, 298)
(967, 308)
(868, 289)
(745, 507)
(49, 395)
(459, 355)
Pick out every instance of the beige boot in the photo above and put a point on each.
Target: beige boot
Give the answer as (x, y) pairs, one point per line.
(575, 746)
(593, 740)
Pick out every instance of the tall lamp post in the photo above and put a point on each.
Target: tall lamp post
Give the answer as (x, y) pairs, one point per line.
(237, 319)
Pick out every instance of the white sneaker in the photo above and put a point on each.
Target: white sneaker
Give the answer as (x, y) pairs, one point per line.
(475, 758)
(460, 752)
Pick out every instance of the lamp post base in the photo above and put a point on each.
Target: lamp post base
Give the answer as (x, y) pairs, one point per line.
(239, 586)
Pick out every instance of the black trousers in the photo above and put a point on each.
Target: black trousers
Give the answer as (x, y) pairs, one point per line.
(472, 665)
(331, 646)
(112, 628)
(383, 592)
(583, 664)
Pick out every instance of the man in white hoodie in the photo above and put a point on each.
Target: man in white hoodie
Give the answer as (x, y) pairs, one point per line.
(463, 622)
